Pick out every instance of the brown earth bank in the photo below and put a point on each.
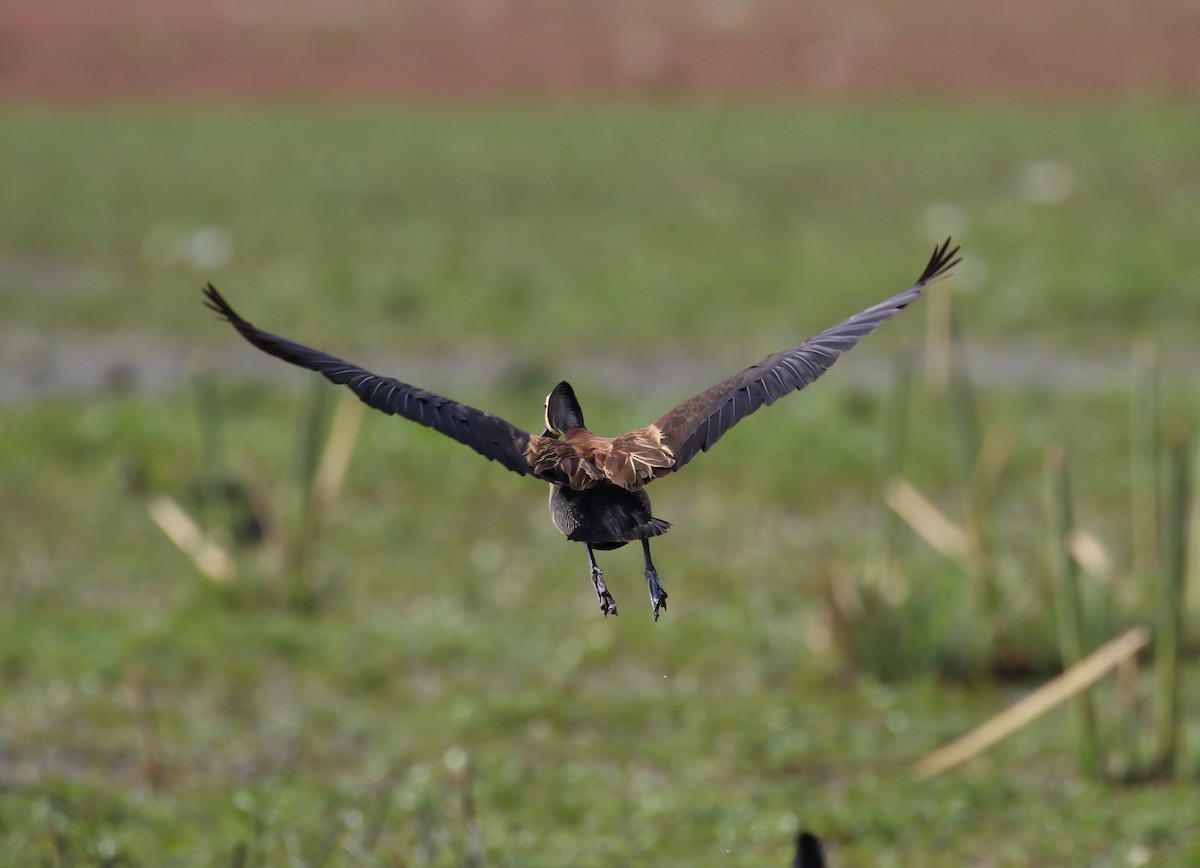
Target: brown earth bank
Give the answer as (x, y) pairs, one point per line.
(468, 50)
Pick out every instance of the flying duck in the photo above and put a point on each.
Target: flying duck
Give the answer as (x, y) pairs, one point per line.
(809, 852)
(597, 484)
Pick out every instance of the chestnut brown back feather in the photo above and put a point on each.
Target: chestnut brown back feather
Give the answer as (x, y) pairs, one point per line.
(696, 424)
(636, 457)
(584, 459)
(560, 462)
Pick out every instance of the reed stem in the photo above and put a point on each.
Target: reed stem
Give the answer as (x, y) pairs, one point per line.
(883, 537)
(214, 518)
(1068, 601)
(1145, 414)
(1172, 594)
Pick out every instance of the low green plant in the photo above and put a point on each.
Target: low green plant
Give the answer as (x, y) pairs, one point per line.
(240, 518)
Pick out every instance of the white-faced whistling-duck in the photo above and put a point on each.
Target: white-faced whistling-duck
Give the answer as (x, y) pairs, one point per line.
(809, 853)
(597, 484)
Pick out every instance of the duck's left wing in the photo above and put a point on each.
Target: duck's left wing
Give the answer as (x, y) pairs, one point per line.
(696, 424)
(490, 436)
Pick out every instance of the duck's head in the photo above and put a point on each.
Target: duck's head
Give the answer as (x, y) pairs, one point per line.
(563, 412)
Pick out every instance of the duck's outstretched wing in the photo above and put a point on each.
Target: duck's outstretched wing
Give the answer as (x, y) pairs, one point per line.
(696, 424)
(490, 436)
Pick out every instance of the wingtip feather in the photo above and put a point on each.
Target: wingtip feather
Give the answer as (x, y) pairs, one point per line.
(943, 259)
(214, 301)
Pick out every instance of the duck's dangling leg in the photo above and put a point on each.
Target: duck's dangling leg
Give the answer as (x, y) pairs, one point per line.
(657, 595)
(607, 604)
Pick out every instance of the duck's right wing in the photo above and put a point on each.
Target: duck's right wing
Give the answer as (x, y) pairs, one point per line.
(490, 436)
(696, 424)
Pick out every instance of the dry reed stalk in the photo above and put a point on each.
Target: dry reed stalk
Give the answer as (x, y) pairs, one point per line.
(210, 559)
(1070, 683)
(929, 522)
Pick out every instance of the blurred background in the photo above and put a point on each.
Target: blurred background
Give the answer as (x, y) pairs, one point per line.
(243, 623)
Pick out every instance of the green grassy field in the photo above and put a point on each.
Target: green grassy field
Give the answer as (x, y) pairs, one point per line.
(453, 695)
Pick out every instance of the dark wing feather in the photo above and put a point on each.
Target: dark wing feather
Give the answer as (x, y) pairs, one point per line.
(489, 435)
(695, 425)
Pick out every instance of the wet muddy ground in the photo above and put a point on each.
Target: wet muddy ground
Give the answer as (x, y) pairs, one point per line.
(470, 50)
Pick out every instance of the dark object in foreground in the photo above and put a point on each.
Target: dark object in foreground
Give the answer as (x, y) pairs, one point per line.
(808, 852)
(597, 484)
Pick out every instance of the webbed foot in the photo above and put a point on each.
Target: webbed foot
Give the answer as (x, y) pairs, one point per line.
(658, 596)
(607, 604)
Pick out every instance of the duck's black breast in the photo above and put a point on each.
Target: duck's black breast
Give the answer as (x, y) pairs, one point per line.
(605, 515)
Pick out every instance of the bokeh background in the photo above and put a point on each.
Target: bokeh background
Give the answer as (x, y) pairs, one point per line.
(242, 624)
